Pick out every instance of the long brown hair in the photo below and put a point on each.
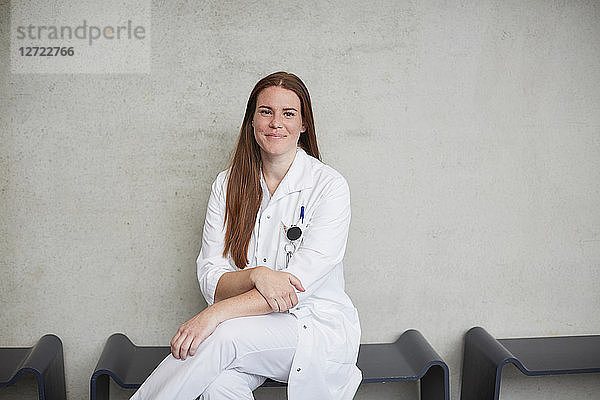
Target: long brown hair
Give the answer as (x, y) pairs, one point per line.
(244, 193)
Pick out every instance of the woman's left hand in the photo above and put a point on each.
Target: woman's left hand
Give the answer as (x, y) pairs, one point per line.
(192, 333)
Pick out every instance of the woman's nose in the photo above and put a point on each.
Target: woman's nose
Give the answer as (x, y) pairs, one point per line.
(275, 121)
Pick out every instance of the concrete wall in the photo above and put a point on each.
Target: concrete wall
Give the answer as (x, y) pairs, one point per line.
(469, 133)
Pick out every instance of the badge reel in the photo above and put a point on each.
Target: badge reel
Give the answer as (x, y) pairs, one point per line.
(293, 234)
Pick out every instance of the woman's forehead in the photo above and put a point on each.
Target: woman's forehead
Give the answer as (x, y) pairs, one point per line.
(276, 96)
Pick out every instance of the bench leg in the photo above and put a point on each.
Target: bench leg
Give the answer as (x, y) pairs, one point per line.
(54, 380)
(434, 384)
(99, 387)
(478, 383)
(480, 376)
(483, 359)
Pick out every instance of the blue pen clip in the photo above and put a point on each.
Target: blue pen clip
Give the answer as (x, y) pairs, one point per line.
(302, 213)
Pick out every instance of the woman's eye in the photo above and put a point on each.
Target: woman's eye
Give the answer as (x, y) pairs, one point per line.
(289, 114)
(265, 112)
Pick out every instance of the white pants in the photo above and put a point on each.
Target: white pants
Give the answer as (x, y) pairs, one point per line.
(232, 362)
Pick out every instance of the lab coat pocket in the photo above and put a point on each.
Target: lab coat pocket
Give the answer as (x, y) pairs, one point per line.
(343, 380)
(342, 346)
(339, 356)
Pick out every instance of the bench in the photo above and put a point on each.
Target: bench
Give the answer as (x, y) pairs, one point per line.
(44, 360)
(485, 356)
(410, 358)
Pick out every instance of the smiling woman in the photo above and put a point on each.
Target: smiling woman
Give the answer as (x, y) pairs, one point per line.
(276, 302)
(277, 124)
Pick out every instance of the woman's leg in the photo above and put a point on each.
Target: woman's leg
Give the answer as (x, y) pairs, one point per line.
(261, 345)
(233, 385)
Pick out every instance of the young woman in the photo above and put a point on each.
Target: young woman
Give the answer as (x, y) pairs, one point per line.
(270, 267)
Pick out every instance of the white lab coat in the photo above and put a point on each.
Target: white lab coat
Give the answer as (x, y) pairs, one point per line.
(324, 365)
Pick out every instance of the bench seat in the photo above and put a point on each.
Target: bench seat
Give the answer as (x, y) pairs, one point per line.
(410, 358)
(484, 357)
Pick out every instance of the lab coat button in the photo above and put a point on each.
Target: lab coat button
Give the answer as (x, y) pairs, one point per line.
(299, 369)
(264, 260)
(304, 326)
(268, 217)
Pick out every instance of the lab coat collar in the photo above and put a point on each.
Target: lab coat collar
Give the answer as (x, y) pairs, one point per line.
(297, 178)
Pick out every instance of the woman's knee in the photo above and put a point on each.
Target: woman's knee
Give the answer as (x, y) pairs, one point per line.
(238, 337)
(226, 334)
(238, 333)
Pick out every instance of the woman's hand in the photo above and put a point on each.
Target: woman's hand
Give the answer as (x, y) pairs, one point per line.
(277, 287)
(193, 332)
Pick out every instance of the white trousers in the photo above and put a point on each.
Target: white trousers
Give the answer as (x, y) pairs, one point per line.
(236, 359)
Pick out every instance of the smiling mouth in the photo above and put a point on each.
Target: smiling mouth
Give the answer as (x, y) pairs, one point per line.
(275, 135)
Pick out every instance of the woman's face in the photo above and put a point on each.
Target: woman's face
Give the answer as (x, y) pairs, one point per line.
(277, 122)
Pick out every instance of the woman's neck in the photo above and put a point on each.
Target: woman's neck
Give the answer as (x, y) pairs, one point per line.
(274, 169)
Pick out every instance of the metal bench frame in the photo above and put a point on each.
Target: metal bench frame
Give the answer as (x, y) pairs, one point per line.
(44, 360)
(484, 357)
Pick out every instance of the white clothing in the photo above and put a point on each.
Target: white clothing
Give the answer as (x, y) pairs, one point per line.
(233, 361)
(324, 366)
(327, 325)
(232, 384)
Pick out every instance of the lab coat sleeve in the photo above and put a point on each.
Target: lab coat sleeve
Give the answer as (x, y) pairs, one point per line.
(210, 262)
(325, 237)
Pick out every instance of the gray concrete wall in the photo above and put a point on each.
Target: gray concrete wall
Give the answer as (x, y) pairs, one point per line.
(469, 133)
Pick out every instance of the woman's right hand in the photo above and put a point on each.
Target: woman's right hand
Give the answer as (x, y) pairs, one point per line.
(189, 335)
(277, 287)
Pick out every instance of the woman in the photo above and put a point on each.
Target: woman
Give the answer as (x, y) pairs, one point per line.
(270, 267)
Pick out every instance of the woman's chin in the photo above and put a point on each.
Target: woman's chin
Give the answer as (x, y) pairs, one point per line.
(277, 151)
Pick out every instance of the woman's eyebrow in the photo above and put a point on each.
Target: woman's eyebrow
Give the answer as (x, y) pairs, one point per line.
(284, 109)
